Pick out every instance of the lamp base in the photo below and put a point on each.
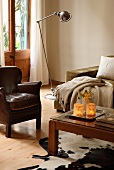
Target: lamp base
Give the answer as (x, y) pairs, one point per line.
(50, 96)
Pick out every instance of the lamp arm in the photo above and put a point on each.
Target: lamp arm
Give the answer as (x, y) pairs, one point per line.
(46, 58)
(55, 13)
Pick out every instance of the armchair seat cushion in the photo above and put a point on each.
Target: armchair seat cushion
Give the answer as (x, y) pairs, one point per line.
(18, 101)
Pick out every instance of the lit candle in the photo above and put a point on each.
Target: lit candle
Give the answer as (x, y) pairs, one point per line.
(78, 109)
(90, 110)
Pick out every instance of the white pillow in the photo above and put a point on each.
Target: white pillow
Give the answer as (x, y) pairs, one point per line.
(106, 68)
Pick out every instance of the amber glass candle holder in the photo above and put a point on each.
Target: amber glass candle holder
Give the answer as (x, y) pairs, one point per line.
(78, 109)
(90, 110)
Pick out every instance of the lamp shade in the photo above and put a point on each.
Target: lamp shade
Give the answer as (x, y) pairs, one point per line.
(64, 16)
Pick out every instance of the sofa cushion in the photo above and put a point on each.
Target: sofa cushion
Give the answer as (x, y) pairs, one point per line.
(106, 68)
(18, 101)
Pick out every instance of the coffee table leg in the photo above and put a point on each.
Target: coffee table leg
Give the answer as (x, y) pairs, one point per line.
(53, 138)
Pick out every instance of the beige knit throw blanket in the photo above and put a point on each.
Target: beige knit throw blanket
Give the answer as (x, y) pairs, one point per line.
(102, 90)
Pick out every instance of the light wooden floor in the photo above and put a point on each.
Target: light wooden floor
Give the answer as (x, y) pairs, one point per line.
(16, 152)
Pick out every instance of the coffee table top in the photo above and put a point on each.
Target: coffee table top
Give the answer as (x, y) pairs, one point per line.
(65, 117)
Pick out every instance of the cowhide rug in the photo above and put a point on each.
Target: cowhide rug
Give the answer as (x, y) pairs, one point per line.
(77, 153)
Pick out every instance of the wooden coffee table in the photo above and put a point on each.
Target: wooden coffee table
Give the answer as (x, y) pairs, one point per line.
(81, 127)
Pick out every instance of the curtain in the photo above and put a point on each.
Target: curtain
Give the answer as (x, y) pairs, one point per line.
(2, 62)
(38, 68)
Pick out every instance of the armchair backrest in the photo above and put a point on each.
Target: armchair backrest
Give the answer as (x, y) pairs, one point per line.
(10, 76)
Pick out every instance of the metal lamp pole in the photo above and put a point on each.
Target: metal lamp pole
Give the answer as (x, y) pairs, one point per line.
(64, 17)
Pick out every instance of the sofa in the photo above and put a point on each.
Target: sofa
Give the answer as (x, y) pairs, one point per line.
(95, 71)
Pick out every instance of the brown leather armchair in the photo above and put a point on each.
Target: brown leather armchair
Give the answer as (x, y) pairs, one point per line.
(19, 102)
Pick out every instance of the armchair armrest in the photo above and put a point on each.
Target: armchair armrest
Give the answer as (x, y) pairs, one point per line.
(90, 71)
(29, 87)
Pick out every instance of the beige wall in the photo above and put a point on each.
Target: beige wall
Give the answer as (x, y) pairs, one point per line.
(81, 41)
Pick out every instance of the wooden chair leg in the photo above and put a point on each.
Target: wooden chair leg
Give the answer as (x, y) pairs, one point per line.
(38, 123)
(8, 131)
(38, 119)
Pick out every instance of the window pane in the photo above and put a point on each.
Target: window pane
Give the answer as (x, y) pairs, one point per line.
(21, 24)
(5, 24)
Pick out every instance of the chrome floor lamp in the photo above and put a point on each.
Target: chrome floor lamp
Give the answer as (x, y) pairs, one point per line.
(64, 17)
